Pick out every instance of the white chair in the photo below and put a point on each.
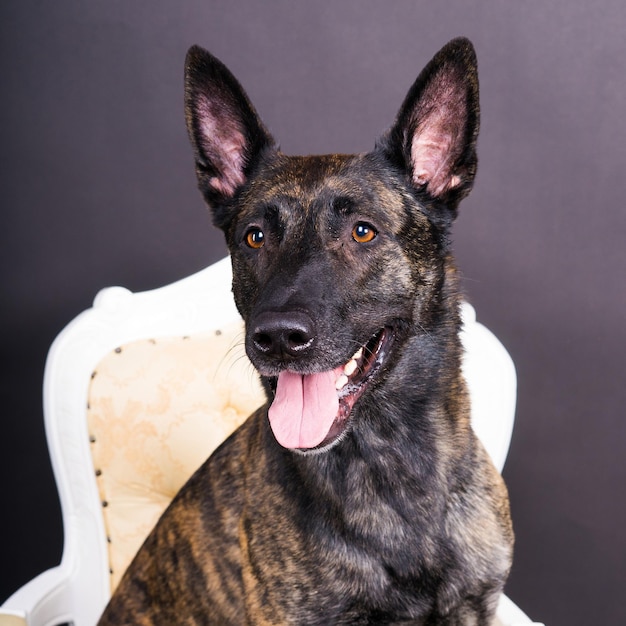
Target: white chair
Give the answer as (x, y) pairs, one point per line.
(111, 421)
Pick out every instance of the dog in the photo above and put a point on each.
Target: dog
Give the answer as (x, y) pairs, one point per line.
(358, 494)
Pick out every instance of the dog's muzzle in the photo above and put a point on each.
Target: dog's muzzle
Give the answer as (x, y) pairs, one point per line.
(284, 335)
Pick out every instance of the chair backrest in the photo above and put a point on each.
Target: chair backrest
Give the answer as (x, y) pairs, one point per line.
(138, 391)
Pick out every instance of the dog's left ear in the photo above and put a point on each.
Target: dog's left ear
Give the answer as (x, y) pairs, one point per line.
(433, 138)
(226, 133)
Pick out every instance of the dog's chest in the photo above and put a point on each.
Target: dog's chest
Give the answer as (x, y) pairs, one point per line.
(358, 544)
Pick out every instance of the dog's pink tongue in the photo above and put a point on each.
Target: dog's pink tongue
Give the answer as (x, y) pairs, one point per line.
(303, 409)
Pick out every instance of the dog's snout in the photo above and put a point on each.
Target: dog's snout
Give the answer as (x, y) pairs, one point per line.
(281, 334)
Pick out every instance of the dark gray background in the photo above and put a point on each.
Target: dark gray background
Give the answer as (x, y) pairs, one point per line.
(97, 188)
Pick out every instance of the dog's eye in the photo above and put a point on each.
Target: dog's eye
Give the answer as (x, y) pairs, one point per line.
(255, 238)
(363, 232)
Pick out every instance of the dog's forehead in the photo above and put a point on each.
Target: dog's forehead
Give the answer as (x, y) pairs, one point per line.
(307, 176)
(312, 182)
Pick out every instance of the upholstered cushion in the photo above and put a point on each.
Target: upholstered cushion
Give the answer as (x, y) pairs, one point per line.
(156, 411)
(6, 619)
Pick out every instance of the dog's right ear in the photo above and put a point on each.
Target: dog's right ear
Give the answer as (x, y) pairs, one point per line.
(227, 136)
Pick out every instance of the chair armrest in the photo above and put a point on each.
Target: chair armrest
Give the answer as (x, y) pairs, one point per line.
(509, 614)
(42, 601)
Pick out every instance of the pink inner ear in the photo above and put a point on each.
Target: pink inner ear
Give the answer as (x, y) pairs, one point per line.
(438, 136)
(224, 144)
(430, 157)
(434, 150)
(231, 164)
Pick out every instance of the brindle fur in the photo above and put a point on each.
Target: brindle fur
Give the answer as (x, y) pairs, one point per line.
(404, 519)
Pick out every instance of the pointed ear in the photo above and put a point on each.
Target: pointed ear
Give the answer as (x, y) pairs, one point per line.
(227, 136)
(434, 135)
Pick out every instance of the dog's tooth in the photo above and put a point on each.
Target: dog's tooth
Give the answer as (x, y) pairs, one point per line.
(350, 367)
(342, 381)
(357, 355)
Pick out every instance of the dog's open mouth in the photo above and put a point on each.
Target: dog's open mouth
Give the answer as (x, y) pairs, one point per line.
(312, 410)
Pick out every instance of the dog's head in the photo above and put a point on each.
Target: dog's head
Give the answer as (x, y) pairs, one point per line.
(337, 259)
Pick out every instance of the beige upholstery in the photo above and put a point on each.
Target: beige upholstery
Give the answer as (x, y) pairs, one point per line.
(12, 620)
(157, 409)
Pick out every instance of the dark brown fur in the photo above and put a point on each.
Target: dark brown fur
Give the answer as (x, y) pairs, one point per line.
(400, 517)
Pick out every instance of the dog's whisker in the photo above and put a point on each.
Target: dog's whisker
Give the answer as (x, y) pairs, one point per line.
(233, 352)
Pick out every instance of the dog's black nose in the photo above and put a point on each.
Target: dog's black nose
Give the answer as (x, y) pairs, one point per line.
(281, 334)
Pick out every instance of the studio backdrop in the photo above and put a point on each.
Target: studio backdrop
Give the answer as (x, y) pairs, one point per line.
(98, 189)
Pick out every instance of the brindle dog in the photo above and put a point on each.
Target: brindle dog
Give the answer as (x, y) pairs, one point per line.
(358, 494)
